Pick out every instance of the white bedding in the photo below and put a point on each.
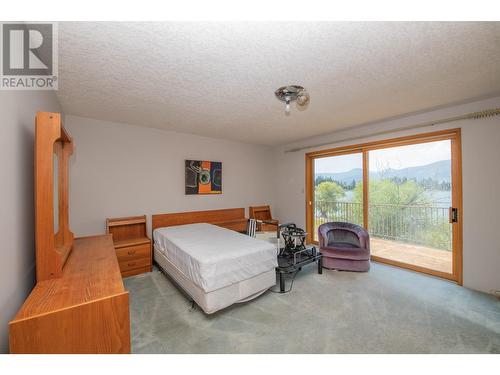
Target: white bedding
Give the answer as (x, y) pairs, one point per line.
(213, 257)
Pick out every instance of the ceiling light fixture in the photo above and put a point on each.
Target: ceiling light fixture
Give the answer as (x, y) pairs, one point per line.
(292, 93)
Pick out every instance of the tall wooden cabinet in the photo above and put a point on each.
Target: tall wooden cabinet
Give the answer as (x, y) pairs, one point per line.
(79, 303)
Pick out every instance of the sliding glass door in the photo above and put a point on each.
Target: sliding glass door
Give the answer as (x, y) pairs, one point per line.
(410, 196)
(338, 189)
(405, 191)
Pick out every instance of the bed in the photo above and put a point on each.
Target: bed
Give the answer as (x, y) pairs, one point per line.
(216, 266)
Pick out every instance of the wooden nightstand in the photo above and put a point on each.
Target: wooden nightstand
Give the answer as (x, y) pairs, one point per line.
(132, 245)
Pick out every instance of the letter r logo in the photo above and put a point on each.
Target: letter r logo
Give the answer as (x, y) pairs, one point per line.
(27, 49)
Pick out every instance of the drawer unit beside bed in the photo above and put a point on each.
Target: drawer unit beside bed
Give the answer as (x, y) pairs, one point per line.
(132, 246)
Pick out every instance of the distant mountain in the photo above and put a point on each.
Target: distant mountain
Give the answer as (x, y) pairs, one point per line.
(347, 177)
(438, 171)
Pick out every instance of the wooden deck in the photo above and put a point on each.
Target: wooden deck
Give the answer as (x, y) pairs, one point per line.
(435, 259)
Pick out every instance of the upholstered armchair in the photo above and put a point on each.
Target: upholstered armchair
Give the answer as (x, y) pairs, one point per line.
(344, 246)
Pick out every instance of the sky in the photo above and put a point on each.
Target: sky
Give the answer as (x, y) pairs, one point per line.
(394, 157)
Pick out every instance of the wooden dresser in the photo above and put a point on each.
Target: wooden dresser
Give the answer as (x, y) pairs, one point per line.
(133, 247)
(79, 304)
(86, 310)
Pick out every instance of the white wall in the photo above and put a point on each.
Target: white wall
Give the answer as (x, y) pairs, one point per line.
(17, 265)
(121, 170)
(481, 181)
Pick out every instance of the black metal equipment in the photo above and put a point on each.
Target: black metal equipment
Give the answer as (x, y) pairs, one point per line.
(292, 265)
(294, 239)
(295, 253)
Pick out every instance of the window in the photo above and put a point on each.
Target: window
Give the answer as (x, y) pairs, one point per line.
(405, 191)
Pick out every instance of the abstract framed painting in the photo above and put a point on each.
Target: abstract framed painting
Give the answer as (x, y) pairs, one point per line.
(203, 177)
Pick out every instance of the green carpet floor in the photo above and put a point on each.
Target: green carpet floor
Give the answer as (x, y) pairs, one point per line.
(387, 310)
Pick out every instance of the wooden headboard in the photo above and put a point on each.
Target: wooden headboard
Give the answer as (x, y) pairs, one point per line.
(231, 218)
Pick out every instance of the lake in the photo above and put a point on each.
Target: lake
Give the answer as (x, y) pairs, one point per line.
(440, 198)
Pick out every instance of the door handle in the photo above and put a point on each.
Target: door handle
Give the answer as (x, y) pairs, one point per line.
(453, 214)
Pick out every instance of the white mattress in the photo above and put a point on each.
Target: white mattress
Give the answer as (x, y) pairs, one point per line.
(216, 300)
(213, 257)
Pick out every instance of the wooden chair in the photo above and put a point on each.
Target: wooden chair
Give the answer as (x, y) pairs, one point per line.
(263, 213)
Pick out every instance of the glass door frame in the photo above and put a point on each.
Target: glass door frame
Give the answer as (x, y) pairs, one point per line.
(454, 135)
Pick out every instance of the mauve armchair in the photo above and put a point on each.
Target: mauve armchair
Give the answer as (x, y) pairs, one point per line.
(345, 246)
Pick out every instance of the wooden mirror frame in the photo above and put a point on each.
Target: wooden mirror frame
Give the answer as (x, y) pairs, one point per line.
(52, 249)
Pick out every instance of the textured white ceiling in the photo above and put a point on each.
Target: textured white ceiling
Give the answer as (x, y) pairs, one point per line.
(218, 79)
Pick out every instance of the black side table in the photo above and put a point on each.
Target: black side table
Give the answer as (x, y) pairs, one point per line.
(291, 263)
